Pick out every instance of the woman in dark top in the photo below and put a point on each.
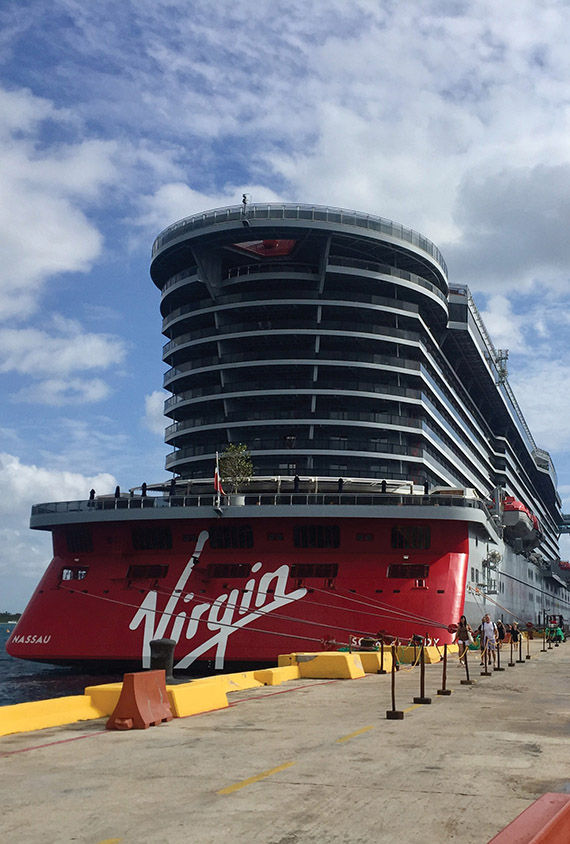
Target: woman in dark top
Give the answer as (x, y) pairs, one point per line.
(463, 636)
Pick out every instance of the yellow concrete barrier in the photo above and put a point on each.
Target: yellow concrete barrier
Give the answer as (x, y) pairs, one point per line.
(330, 665)
(55, 712)
(408, 655)
(193, 698)
(105, 697)
(275, 676)
(371, 661)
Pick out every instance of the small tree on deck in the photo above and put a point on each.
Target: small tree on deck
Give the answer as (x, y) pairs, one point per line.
(236, 466)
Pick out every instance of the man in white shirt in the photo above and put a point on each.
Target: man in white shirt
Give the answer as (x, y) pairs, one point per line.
(489, 635)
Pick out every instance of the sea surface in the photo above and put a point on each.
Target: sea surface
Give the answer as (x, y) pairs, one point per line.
(22, 681)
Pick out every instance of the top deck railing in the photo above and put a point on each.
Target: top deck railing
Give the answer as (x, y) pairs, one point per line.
(210, 500)
(318, 213)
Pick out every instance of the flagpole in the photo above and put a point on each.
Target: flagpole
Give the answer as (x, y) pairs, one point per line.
(218, 498)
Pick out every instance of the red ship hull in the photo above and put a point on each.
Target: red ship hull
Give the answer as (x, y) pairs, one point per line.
(248, 604)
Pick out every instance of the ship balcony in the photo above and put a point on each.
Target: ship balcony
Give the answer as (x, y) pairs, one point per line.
(293, 356)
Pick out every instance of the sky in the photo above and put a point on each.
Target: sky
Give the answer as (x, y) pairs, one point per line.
(116, 119)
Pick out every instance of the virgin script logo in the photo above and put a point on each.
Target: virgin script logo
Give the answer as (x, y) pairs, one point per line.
(227, 614)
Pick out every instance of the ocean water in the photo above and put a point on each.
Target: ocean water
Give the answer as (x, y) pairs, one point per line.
(22, 681)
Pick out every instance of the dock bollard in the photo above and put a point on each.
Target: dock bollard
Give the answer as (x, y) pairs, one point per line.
(394, 714)
(162, 656)
(520, 659)
(443, 690)
(467, 681)
(422, 697)
(511, 663)
(498, 665)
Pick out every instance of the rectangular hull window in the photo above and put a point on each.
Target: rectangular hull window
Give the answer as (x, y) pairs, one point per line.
(409, 572)
(317, 536)
(144, 572)
(152, 539)
(231, 537)
(79, 540)
(411, 536)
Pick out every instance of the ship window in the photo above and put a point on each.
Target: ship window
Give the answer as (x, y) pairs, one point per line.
(151, 538)
(74, 573)
(142, 572)
(316, 536)
(231, 536)
(304, 570)
(411, 536)
(408, 571)
(79, 540)
(228, 570)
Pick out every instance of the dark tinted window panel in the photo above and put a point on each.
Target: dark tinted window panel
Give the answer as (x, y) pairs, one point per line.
(143, 572)
(411, 536)
(228, 570)
(79, 540)
(151, 538)
(231, 537)
(303, 570)
(317, 536)
(412, 572)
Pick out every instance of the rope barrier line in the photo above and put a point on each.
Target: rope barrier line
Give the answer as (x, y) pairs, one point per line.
(381, 605)
(211, 601)
(172, 615)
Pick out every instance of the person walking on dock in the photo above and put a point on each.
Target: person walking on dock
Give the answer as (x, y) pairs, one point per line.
(489, 634)
(463, 637)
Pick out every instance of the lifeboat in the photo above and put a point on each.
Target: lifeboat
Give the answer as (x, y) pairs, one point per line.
(517, 519)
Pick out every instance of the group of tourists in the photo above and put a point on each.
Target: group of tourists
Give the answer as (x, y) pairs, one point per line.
(489, 634)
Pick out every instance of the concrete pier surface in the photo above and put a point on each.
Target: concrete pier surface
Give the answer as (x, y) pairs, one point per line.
(309, 761)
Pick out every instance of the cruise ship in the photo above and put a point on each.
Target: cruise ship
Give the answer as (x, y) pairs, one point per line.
(395, 482)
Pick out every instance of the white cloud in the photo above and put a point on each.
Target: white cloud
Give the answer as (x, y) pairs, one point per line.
(59, 392)
(68, 349)
(43, 225)
(154, 418)
(176, 200)
(542, 390)
(25, 554)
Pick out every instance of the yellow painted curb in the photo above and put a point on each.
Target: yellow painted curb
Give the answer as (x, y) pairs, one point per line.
(275, 676)
(409, 655)
(55, 712)
(329, 665)
(371, 661)
(193, 698)
(105, 697)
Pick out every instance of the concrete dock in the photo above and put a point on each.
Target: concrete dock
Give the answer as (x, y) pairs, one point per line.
(309, 761)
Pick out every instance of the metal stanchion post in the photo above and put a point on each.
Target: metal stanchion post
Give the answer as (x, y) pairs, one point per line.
(498, 666)
(394, 714)
(543, 649)
(422, 698)
(382, 670)
(485, 672)
(520, 659)
(467, 681)
(527, 646)
(511, 663)
(443, 690)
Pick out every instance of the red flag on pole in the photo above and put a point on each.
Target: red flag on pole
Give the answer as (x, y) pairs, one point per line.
(217, 482)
